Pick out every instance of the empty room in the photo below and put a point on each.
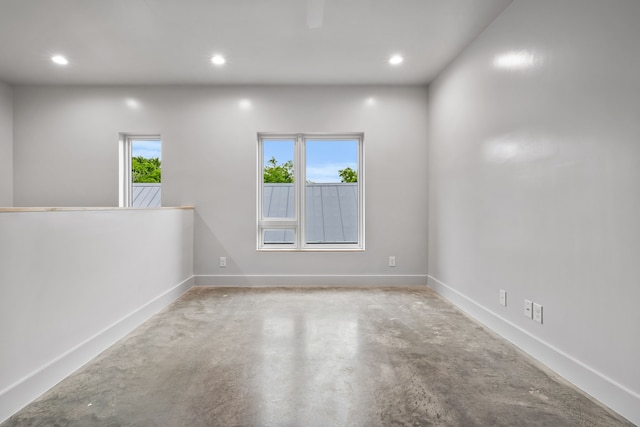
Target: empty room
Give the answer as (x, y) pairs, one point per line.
(319, 212)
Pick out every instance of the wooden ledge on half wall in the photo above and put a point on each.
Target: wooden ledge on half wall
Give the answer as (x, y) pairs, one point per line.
(104, 208)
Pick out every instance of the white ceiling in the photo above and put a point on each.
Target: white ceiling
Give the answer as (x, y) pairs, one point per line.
(264, 41)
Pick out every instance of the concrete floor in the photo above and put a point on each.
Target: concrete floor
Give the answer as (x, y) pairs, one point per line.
(313, 357)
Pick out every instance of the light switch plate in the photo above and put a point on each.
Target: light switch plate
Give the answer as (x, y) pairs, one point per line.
(528, 309)
(537, 312)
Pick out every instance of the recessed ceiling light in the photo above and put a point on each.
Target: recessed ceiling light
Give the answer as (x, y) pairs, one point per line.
(396, 59)
(60, 60)
(218, 59)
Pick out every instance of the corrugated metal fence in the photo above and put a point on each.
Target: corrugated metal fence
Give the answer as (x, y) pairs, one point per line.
(146, 195)
(332, 212)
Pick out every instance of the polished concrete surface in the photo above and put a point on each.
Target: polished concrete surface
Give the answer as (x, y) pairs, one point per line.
(313, 357)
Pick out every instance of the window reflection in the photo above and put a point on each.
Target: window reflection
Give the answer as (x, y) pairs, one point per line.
(515, 60)
(308, 363)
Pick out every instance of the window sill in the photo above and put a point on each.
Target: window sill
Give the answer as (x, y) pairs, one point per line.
(332, 249)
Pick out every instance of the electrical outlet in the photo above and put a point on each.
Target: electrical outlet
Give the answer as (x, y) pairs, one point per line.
(392, 261)
(537, 312)
(503, 297)
(223, 261)
(528, 309)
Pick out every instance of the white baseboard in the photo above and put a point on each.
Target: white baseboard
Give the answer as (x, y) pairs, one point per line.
(612, 394)
(19, 394)
(310, 280)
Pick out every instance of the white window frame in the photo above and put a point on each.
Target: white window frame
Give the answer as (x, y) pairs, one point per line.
(297, 223)
(124, 154)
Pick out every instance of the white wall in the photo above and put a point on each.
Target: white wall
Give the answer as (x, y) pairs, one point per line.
(535, 187)
(74, 282)
(6, 145)
(66, 155)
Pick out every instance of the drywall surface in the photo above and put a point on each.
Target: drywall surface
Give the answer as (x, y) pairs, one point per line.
(534, 186)
(73, 282)
(6, 145)
(67, 155)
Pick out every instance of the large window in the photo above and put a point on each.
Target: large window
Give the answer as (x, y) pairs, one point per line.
(311, 191)
(140, 171)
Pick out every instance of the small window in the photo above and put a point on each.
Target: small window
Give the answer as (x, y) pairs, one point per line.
(140, 171)
(311, 192)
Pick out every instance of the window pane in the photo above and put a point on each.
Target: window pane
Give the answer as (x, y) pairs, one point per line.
(279, 236)
(331, 171)
(146, 173)
(278, 193)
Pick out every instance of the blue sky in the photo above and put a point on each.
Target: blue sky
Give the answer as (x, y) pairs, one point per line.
(146, 149)
(324, 157)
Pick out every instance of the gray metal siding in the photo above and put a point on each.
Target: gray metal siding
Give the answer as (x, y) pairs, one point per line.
(278, 201)
(332, 212)
(145, 195)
